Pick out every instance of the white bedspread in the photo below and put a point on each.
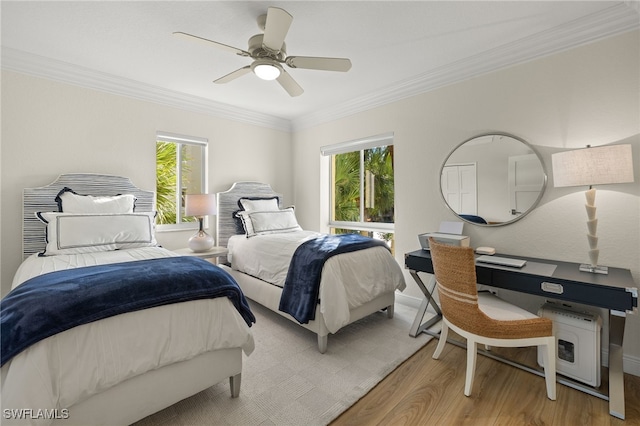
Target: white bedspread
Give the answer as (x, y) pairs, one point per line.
(266, 256)
(69, 367)
(348, 280)
(35, 265)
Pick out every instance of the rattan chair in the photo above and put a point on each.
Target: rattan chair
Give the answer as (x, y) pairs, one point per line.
(483, 318)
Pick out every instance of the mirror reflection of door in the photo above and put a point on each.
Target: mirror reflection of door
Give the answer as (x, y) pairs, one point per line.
(526, 179)
(459, 188)
(508, 176)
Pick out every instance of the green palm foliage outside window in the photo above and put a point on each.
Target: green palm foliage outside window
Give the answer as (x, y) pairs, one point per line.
(166, 180)
(378, 162)
(170, 177)
(363, 190)
(377, 181)
(347, 187)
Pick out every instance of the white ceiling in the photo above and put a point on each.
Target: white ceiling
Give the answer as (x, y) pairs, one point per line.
(397, 48)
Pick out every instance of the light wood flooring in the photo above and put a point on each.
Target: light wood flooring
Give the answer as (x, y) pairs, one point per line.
(424, 391)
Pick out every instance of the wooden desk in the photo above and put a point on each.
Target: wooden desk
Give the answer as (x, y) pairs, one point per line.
(616, 292)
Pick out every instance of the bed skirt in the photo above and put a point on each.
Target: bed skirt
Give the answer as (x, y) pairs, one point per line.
(268, 295)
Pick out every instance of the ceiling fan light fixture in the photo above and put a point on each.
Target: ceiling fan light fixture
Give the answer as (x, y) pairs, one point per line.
(268, 51)
(266, 70)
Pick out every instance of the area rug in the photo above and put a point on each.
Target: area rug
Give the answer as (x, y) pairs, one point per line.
(286, 381)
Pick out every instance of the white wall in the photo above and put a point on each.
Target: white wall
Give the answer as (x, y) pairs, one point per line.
(51, 128)
(588, 95)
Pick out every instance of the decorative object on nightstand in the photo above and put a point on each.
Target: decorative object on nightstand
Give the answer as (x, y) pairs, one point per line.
(200, 205)
(593, 166)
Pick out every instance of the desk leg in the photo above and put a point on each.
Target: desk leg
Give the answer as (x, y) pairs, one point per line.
(616, 373)
(418, 327)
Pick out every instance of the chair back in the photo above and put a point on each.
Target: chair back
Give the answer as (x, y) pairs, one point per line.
(455, 272)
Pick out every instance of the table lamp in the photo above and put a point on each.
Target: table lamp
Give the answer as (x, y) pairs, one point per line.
(593, 166)
(200, 205)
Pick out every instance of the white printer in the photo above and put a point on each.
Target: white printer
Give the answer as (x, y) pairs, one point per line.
(449, 233)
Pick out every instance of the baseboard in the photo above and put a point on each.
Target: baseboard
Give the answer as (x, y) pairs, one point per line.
(631, 364)
(411, 301)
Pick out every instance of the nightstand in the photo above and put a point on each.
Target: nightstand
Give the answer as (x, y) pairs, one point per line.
(213, 253)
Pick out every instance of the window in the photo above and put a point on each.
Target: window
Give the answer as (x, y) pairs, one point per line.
(362, 187)
(181, 164)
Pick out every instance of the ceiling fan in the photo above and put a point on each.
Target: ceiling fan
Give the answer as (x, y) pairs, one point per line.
(268, 51)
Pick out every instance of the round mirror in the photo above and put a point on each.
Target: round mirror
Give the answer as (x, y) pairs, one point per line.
(492, 179)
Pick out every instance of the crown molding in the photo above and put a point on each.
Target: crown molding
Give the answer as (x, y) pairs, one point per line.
(615, 20)
(52, 69)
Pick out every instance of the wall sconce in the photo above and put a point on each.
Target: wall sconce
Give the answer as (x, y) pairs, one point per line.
(200, 205)
(593, 166)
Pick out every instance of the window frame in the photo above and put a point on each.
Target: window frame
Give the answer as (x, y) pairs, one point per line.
(180, 140)
(360, 145)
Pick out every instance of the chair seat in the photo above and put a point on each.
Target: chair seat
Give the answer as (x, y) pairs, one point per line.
(498, 309)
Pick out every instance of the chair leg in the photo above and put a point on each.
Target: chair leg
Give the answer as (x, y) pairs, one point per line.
(443, 339)
(472, 351)
(549, 358)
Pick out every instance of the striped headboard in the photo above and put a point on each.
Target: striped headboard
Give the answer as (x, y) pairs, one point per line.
(228, 205)
(43, 200)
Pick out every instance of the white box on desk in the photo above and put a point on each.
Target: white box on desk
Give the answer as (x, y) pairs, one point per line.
(451, 239)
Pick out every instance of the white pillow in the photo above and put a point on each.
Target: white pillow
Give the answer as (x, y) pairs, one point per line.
(269, 222)
(259, 204)
(69, 233)
(70, 202)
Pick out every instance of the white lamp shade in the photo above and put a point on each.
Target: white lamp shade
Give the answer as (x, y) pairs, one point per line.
(200, 204)
(593, 166)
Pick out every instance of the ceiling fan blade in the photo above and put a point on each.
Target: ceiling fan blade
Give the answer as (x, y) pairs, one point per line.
(215, 43)
(233, 75)
(276, 28)
(314, 63)
(289, 84)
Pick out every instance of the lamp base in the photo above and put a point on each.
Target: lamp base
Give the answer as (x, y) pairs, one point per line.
(200, 242)
(585, 267)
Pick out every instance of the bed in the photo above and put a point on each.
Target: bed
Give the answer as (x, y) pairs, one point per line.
(352, 285)
(124, 367)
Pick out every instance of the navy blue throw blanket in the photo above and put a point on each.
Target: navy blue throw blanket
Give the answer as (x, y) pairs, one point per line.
(300, 292)
(57, 301)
